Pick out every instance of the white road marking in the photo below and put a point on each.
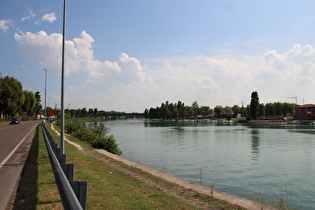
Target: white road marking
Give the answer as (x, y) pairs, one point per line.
(17, 146)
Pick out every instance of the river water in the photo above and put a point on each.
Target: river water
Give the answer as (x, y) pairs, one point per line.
(272, 160)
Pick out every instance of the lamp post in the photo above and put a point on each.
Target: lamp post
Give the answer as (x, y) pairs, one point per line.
(62, 123)
(45, 92)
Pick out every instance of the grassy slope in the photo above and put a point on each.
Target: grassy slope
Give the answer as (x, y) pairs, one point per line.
(109, 187)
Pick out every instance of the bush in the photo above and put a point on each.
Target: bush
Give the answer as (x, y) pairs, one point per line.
(94, 136)
(106, 142)
(72, 125)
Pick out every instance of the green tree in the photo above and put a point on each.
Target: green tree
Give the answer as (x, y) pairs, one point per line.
(1, 97)
(174, 111)
(228, 112)
(262, 111)
(38, 106)
(278, 108)
(181, 109)
(84, 112)
(187, 111)
(270, 109)
(236, 109)
(194, 109)
(12, 96)
(254, 105)
(218, 111)
(81, 113)
(146, 113)
(95, 112)
(167, 111)
(27, 102)
(90, 112)
(29, 105)
(33, 103)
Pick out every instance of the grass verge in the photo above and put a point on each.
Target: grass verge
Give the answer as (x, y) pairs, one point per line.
(37, 188)
(111, 184)
(114, 185)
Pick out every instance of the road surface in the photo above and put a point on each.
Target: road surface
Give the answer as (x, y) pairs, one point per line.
(15, 142)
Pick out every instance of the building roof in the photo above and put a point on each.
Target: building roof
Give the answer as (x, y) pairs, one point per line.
(305, 106)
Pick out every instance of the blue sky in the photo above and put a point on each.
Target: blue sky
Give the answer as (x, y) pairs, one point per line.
(128, 55)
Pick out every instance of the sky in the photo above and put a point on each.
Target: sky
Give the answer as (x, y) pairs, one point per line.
(128, 55)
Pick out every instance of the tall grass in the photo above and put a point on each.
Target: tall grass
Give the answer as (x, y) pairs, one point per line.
(284, 202)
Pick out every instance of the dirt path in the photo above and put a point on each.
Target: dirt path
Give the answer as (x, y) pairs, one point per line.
(104, 155)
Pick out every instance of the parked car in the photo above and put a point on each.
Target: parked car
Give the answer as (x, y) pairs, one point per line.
(15, 121)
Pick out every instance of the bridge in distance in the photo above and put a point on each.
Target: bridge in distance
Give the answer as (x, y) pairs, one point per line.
(121, 114)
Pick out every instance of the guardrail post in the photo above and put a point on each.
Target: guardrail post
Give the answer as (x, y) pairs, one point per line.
(80, 189)
(68, 169)
(73, 193)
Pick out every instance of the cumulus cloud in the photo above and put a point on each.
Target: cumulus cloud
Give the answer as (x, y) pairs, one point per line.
(295, 64)
(230, 80)
(50, 17)
(46, 50)
(128, 82)
(4, 25)
(131, 68)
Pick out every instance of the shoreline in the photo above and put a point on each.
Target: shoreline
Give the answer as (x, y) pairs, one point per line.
(248, 204)
(245, 203)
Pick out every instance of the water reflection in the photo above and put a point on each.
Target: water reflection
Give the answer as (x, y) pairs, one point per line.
(241, 159)
(255, 145)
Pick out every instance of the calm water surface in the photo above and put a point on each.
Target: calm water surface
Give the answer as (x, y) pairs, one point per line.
(237, 159)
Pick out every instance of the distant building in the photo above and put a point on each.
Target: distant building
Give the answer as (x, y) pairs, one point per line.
(305, 112)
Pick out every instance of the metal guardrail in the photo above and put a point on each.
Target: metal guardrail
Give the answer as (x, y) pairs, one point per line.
(73, 193)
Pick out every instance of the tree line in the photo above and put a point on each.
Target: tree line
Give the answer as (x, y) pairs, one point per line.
(87, 113)
(16, 102)
(179, 110)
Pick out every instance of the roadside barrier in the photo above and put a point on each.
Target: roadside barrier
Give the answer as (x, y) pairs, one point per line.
(73, 193)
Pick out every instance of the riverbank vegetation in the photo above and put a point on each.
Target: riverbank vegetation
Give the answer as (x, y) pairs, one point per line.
(95, 136)
(179, 110)
(114, 185)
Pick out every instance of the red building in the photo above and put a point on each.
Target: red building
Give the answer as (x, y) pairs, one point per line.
(305, 112)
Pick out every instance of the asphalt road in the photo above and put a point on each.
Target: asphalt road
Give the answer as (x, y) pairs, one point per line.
(15, 142)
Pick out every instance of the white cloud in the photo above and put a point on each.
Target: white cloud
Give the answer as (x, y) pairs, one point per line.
(50, 17)
(79, 57)
(4, 25)
(29, 15)
(131, 68)
(129, 84)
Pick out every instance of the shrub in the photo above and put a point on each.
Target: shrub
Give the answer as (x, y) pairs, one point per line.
(94, 136)
(72, 125)
(106, 142)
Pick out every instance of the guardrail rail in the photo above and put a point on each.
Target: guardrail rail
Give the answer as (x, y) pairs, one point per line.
(73, 193)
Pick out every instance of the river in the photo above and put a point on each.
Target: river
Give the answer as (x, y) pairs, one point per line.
(244, 160)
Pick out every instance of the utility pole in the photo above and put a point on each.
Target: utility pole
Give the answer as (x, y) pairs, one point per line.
(62, 126)
(45, 93)
(294, 97)
(242, 108)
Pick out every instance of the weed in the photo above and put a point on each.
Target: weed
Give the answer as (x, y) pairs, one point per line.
(212, 188)
(284, 202)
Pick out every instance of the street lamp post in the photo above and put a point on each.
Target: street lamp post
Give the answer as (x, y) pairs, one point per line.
(62, 123)
(45, 93)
